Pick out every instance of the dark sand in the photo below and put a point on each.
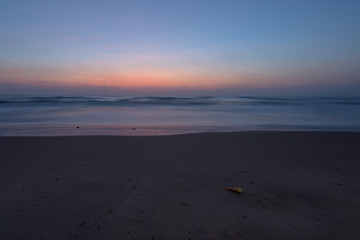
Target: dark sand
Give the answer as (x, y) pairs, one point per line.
(297, 185)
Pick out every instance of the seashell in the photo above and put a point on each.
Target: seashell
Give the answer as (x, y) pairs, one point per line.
(234, 189)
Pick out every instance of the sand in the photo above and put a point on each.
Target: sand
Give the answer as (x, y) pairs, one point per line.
(296, 185)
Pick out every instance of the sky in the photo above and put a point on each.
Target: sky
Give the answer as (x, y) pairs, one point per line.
(188, 47)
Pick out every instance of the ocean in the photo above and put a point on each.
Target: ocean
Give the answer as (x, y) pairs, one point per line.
(95, 115)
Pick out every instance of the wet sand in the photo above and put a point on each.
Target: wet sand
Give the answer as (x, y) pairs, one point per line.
(296, 185)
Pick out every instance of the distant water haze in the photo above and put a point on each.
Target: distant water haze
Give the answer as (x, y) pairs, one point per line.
(95, 115)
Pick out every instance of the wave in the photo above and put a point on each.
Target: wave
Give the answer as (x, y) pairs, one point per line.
(205, 100)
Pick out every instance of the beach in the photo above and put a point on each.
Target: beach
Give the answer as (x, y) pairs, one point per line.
(295, 185)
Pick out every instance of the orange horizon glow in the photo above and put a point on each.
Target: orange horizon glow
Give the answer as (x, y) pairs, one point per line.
(155, 75)
(123, 79)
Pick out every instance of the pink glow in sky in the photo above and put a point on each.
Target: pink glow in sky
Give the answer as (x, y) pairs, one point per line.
(188, 47)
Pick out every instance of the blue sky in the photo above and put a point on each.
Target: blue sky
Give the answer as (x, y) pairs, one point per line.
(194, 47)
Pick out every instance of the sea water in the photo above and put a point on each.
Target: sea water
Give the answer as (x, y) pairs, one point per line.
(95, 115)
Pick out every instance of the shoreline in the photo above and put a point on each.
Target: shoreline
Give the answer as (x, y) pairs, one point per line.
(296, 185)
(154, 130)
